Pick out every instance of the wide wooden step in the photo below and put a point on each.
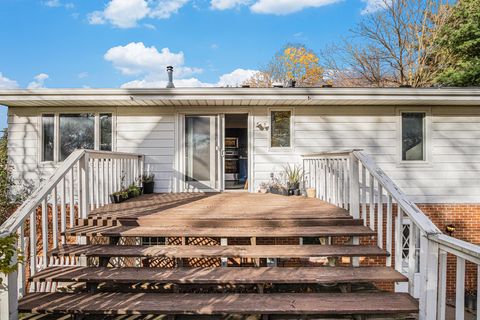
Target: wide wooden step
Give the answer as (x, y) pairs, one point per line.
(220, 223)
(300, 275)
(311, 231)
(209, 304)
(260, 251)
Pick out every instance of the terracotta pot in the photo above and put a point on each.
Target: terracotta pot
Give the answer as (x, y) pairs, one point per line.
(311, 192)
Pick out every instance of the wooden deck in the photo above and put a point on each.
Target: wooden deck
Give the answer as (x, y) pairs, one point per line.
(239, 228)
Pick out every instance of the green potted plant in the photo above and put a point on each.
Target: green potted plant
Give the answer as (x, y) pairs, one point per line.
(294, 175)
(148, 182)
(119, 196)
(134, 191)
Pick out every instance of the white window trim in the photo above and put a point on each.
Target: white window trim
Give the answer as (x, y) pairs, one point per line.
(292, 133)
(427, 137)
(56, 130)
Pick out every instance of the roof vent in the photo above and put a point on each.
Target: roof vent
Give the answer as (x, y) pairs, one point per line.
(170, 77)
(277, 85)
(327, 86)
(404, 86)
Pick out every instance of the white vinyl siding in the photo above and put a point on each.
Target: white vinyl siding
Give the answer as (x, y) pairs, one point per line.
(452, 175)
(150, 131)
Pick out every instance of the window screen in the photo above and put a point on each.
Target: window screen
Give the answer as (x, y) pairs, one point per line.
(48, 133)
(280, 129)
(413, 136)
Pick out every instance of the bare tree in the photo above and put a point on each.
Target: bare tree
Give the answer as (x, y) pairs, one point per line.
(394, 46)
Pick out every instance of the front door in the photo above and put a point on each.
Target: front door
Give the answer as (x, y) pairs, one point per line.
(203, 152)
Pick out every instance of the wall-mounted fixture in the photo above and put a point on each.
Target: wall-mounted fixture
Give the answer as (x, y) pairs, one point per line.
(263, 126)
(450, 229)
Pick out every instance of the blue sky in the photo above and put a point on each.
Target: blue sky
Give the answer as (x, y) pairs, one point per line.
(114, 43)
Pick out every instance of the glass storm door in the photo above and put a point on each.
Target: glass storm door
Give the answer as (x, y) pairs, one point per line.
(202, 153)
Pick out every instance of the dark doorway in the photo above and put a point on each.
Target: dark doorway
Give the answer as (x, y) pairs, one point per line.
(236, 151)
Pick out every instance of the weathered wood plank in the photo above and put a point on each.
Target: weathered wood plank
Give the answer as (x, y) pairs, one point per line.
(209, 304)
(318, 231)
(262, 251)
(245, 275)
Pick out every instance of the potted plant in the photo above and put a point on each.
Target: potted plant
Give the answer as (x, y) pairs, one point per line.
(148, 182)
(294, 175)
(263, 187)
(277, 188)
(134, 191)
(471, 300)
(119, 196)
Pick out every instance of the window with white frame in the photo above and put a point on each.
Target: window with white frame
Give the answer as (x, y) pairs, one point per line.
(62, 133)
(280, 128)
(413, 142)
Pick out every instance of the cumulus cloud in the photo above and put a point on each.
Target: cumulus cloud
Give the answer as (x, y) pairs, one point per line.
(233, 79)
(38, 82)
(127, 13)
(283, 7)
(228, 4)
(373, 6)
(6, 83)
(135, 58)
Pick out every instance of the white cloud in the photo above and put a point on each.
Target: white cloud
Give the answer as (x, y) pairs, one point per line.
(83, 75)
(127, 13)
(38, 82)
(58, 3)
(135, 58)
(233, 79)
(165, 8)
(283, 7)
(6, 83)
(227, 4)
(373, 6)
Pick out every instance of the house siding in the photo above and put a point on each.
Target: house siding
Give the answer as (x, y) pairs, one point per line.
(450, 176)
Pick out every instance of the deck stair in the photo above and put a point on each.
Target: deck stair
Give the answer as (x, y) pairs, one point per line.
(240, 228)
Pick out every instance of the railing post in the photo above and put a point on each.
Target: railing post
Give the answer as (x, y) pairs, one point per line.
(84, 168)
(9, 294)
(431, 278)
(354, 206)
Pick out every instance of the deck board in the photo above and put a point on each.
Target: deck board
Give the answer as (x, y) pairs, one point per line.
(222, 232)
(260, 251)
(246, 275)
(209, 304)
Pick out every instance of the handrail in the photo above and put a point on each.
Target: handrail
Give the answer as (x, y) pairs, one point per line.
(410, 208)
(19, 216)
(352, 180)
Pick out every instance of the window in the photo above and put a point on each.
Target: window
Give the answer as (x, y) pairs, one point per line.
(77, 131)
(280, 129)
(413, 136)
(106, 131)
(48, 125)
(65, 132)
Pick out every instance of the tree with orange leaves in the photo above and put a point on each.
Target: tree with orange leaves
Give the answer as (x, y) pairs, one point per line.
(293, 62)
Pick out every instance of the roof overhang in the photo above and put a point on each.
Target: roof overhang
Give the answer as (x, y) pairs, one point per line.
(240, 97)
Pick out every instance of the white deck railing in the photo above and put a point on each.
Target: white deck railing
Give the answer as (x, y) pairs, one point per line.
(83, 182)
(352, 180)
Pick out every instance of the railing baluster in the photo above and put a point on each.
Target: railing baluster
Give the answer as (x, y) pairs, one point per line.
(380, 216)
(364, 195)
(372, 203)
(72, 198)
(399, 239)
(63, 214)
(460, 289)
(389, 230)
(412, 263)
(21, 274)
(33, 246)
(442, 285)
(97, 192)
(54, 218)
(44, 233)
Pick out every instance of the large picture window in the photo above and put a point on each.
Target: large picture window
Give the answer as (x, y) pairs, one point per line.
(281, 135)
(413, 136)
(65, 132)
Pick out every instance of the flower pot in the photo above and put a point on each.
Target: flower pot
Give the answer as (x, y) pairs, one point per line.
(297, 192)
(148, 187)
(263, 190)
(117, 198)
(311, 192)
(293, 186)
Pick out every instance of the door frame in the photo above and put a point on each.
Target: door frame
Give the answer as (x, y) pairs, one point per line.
(179, 158)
